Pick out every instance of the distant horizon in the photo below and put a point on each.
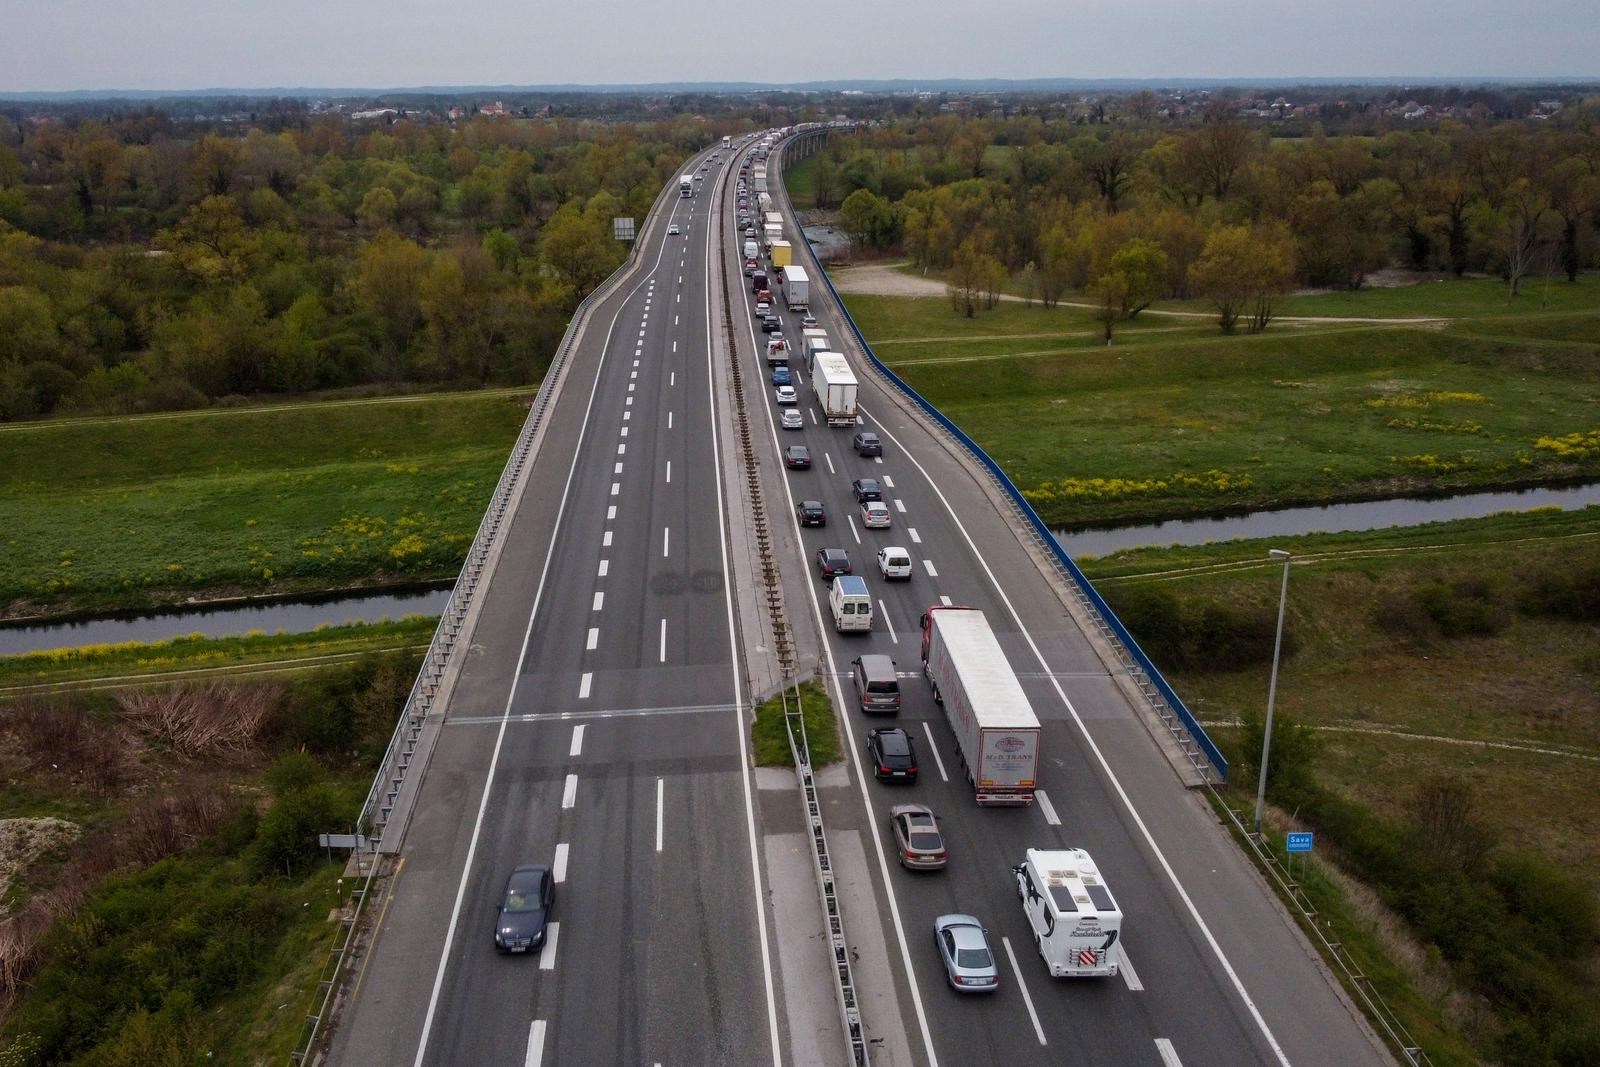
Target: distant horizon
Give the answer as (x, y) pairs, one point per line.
(820, 86)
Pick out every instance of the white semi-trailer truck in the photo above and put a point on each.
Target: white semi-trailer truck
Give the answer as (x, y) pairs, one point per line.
(997, 733)
(835, 385)
(797, 287)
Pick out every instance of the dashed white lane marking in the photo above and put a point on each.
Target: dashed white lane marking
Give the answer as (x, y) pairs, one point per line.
(946, 601)
(672, 377)
(535, 1054)
(669, 471)
(622, 450)
(594, 639)
(1048, 808)
(631, 387)
(611, 512)
(626, 415)
(927, 565)
(629, 401)
(886, 623)
(829, 457)
(852, 520)
(933, 746)
(888, 482)
(666, 541)
(605, 565)
(877, 459)
(569, 792)
(813, 415)
(1023, 986)
(661, 797)
(674, 346)
(900, 505)
(633, 374)
(635, 363)
(617, 469)
(576, 748)
(669, 420)
(605, 539)
(663, 640)
(1168, 1054)
(674, 320)
(616, 488)
(599, 601)
(912, 530)
(584, 684)
(624, 433)
(547, 956)
(1125, 968)
(560, 871)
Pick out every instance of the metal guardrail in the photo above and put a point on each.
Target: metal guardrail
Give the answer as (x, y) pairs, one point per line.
(397, 758)
(1143, 672)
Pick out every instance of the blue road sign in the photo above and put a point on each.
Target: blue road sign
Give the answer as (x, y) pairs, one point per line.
(1299, 842)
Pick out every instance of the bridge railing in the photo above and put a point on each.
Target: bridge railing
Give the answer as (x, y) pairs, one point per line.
(1146, 675)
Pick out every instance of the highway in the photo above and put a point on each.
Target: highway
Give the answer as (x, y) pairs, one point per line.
(1213, 972)
(595, 729)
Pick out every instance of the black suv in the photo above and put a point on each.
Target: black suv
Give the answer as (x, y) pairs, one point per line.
(866, 489)
(867, 444)
(894, 758)
(811, 513)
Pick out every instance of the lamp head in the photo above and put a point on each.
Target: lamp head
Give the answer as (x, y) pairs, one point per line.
(1278, 553)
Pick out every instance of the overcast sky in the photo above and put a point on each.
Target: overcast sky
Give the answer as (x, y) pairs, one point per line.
(192, 44)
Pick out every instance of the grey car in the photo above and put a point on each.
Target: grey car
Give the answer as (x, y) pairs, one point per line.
(969, 964)
(917, 837)
(524, 909)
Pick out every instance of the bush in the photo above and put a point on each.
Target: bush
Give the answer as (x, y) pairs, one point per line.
(286, 840)
(1198, 636)
(1294, 752)
(1573, 595)
(348, 712)
(1470, 607)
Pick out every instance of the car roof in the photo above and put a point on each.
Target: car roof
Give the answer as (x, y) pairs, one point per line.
(866, 481)
(894, 741)
(835, 553)
(811, 503)
(526, 875)
(875, 505)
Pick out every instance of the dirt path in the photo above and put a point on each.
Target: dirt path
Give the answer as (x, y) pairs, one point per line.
(885, 279)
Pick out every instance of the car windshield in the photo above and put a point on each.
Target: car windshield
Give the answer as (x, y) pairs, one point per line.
(522, 900)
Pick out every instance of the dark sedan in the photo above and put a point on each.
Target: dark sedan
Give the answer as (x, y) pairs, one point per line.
(797, 458)
(832, 562)
(811, 513)
(524, 909)
(866, 489)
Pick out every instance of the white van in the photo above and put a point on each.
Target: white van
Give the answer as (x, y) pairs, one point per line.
(749, 250)
(851, 603)
(894, 563)
(1074, 918)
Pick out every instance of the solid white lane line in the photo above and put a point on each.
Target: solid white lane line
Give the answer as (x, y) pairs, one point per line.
(560, 871)
(1125, 968)
(888, 482)
(583, 685)
(669, 472)
(915, 537)
(933, 746)
(927, 565)
(887, 624)
(599, 601)
(853, 533)
(661, 803)
(1048, 808)
(666, 541)
(547, 955)
(663, 640)
(946, 601)
(1105, 768)
(569, 792)
(900, 505)
(605, 565)
(535, 1054)
(576, 748)
(1026, 999)
(605, 539)
(829, 457)
(594, 639)
(1168, 1054)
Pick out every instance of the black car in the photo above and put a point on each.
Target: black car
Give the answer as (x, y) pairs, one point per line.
(893, 756)
(832, 562)
(524, 909)
(811, 513)
(797, 458)
(866, 489)
(771, 324)
(866, 443)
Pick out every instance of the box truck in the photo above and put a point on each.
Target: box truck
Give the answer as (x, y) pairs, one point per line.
(835, 386)
(1075, 920)
(797, 288)
(997, 734)
(782, 253)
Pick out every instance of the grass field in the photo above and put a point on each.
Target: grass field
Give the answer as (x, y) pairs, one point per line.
(800, 180)
(1175, 419)
(771, 740)
(141, 511)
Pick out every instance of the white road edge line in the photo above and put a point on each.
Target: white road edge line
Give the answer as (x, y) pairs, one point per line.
(1047, 808)
(1023, 986)
(505, 715)
(577, 741)
(1168, 1054)
(560, 865)
(569, 792)
(1125, 968)
(933, 746)
(547, 954)
(535, 1054)
(1105, 766)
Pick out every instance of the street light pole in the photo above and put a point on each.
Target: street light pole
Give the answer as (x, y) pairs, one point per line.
(1272, 689)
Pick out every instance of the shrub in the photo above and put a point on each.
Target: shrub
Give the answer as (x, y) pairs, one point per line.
(1294, 751)
(1573, 595)
(1467, 608)
(1191, 636)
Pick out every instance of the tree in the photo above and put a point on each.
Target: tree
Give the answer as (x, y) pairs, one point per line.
(1142, 265)
(388, 279)
(1518, 230)
(1110, 294)
(973, 279)
(582, 253)
(215, 164)
(211, 244)
(868, 219)
(1240, 270)
(1110, 166)
(1574, 187)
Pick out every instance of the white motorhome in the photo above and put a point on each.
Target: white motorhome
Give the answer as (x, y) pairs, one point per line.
(1075, 921)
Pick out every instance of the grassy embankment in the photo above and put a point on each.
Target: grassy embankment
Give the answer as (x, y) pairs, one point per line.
(771, 739)
(1175, 419)
(115, 514)
(800, 181)
(1447, 653)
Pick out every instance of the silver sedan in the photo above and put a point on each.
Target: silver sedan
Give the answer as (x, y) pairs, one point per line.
(969, 963)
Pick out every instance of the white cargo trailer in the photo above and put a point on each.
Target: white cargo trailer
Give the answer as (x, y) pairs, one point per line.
(835, 385)
(797, 288)
(997, 733)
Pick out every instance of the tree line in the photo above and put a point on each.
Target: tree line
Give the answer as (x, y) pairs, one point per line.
(1220, 209)
(148, 265)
